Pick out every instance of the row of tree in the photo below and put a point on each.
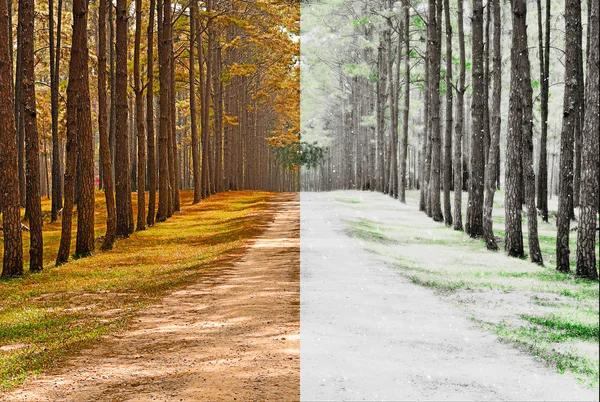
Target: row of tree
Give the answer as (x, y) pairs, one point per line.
(218, 98)
(391, 82)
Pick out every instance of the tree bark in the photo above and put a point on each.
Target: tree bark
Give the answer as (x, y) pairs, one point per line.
(57, 170)
(164, 36)
(493, 161)
(84, 244)
(448, 125)
(193, 109)
(569, 124)
(544, 50)
(139, 121)
(28, 108)
(73, 100)
(406, 108)
(458, 127)
(12, 264)
(150, 119)
(535, 253)
(109, 189)
(475, 224)
(588, 200)
(122, 187)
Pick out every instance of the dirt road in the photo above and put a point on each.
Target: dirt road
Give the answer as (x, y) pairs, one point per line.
(370, 334)
(234, 335)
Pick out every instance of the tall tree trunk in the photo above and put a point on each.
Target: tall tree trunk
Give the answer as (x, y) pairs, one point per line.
(123, 195)
(394, 101)
(544, 50)
(34, 206)
(475, 224)
(205, 110)
(514, 138)
(425, 162)
(193, 109)
(164, 36)
(54, 88)
(150, 119)
(109, 189)
(139, 120)
(174, 160)
(84, 244)
(381, 104)
(12, 264)
(493, 161)
(448, 125)
(570, 116)
(458, 127)
(588, 200)
(527, 125)
(434, 114)
(73, 100)
(18, 105)
(406, 108)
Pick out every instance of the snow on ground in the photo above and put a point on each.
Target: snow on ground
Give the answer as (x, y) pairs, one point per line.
(397, 307)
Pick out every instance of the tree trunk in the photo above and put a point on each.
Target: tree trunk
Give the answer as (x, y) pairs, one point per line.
(109, 189)
(28, 108)
(493, 161)
(527, 124)
(150, 119)
(570, 116)
(57, 194)
(139, 121)
(448, 125)
(84, 244)
(164, 36)
(588, 200)
(73, 95)
(514, 138)
(458, 127)
(544, 50)
(9, 176)
(475, 224)
(406, 108)
(193, 109)
(123, 195)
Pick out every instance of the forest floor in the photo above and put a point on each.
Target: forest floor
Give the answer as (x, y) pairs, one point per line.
(204, 306)
(398, 307)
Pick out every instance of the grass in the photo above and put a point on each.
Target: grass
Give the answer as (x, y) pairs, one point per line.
(49, 315)
(561, 328)
(348, 200)
(541, 342)
(367, 230)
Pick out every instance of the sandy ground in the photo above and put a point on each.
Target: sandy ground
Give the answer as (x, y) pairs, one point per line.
(368, 333)
(233, 335)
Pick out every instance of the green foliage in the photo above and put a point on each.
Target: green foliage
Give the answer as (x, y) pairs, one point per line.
(360, 22)
(294, 155)
(418, 22)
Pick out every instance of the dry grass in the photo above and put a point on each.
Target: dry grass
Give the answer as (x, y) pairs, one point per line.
(52, 314)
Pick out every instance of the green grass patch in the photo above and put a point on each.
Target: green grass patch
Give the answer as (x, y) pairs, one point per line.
(348, 200)
(565, 329)
(367, 230)
(539, 342)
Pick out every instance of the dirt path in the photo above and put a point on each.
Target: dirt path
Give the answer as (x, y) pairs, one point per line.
(231, 336)
(368, 333)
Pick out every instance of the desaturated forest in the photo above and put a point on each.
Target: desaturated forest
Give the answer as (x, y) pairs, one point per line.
(472, 103)
(137, 100)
